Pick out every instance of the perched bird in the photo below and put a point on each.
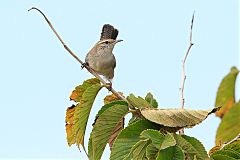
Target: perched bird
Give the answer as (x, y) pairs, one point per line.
(100, 58)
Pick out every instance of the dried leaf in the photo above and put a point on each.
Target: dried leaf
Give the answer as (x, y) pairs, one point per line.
(79, 90)
(226, 92)
(112, 97)
(176, 117)
(69, 124)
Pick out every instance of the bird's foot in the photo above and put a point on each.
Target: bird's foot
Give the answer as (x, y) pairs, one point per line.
(84, 65)
(109, 86)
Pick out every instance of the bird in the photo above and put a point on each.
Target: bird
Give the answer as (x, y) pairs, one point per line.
(101, 58)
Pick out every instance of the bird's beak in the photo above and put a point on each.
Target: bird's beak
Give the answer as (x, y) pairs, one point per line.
(119, 40)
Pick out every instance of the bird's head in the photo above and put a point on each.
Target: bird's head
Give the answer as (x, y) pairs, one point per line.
(107, 44)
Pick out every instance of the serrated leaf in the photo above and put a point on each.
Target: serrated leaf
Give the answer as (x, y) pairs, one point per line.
(151, 152)
(90, 149)
(138, 151)
(229, 127)
(234, 146)
(171, 153)
(176, 117)
(149, 98)
(104, 126)
(226, 92)
(222, 157)
(227, 152)
(138, 102)
(79, 90)
(82, 112)
(129, 137)
(159, 140)
(69, 125)
(191, 147)
(112, 97)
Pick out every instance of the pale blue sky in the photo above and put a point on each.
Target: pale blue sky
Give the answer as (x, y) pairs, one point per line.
(38, 75)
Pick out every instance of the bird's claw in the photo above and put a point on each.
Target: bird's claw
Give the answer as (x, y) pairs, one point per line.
(84, 65)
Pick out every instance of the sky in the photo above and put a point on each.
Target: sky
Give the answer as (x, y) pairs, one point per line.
(38, 75)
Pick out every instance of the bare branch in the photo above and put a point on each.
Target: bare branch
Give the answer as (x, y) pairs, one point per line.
(75, 56)
(230, 142)
(182, 99)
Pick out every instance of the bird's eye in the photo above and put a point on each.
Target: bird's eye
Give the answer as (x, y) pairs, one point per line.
(106, 42)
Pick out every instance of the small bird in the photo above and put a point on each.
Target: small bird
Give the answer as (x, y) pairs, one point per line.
(100, 58)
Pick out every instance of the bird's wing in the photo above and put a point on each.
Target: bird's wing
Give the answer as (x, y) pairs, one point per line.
(108, 32)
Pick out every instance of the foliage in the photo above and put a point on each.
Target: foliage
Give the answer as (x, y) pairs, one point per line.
(151, 132)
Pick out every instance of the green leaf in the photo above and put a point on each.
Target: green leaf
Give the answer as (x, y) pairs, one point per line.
(139, 102)
(151, 152)
(128, 138)
(226, 92)
(191, 147)
(176, 117)
(234, 146)
(229, 127)
(229, 153)
(171, 153)
(149, 98)
(222, 157)
(90, 148)
(79, 90)
(159, 140)
(138, 151)
(82, 112)
(104, 127)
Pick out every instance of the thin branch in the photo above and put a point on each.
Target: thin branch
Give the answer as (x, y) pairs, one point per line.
(182, 99)
(230, 142)
(75, 56)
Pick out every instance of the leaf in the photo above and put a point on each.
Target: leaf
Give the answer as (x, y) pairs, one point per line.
(104, 126)
(191, 147)
(149, 98)
(176, 117)
(112, 97)
(226, 92)
(119, 127)
(229, 153)
(234, 146)
(222, 157)
(69, 125)
(128, 138)
(139, 102)
(82, 112)
(171, 153)
(138, 151)
(90, 148)
(79, 90)
(159, 140)
(229, 127)
(151, 152)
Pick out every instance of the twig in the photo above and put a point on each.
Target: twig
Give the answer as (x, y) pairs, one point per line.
(182, 99)
(230, 142)
(79, 60)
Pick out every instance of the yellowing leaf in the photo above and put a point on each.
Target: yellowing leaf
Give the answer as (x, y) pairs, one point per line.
(176, 117)
(82, 112)
(229, 127)
(226, 92)
(79, 90)
(69, 124)
(112, 97)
